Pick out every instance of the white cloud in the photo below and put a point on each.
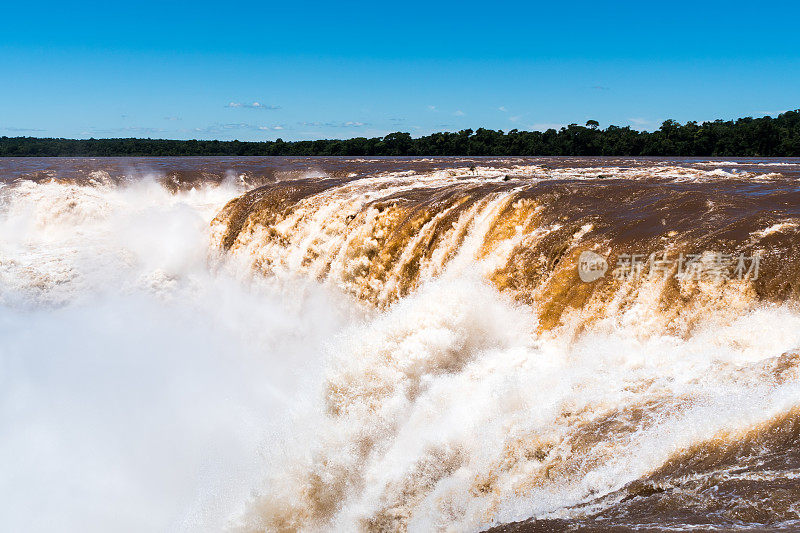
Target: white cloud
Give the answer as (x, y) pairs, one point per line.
(459, 113)
(536, 126)
(502, 108)
(347, 124)
(254, 105)
(21, 130)
(127, 130)
(217, 129)
(543, 126)
(771, 113)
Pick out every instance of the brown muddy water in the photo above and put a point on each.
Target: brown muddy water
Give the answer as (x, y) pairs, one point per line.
(405, 344)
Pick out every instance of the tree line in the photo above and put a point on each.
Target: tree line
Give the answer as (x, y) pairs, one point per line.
(758, 137)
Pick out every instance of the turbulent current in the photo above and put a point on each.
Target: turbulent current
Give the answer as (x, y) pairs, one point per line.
(399, 344)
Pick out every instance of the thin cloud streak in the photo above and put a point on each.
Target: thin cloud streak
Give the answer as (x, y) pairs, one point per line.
(254, 105)
(347, 124)
(21, 130)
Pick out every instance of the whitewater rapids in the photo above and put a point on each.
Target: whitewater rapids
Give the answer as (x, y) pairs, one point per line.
(396, 349)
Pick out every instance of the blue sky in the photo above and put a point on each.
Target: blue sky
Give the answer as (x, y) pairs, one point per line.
(309, 70)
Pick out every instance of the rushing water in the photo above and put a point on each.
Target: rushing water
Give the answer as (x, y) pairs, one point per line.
(398, 344)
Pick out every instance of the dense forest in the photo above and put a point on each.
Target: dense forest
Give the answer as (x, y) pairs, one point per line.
(760, 137)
